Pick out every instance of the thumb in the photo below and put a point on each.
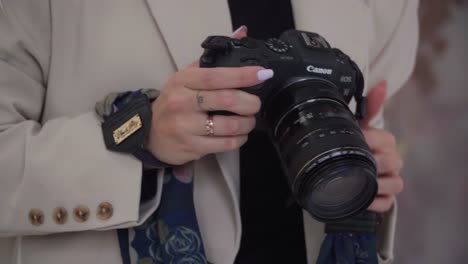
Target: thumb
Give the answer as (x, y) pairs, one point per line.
(241, 32)
(375, 102)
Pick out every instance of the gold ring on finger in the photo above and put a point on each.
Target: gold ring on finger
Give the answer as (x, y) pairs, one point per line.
(209, 126)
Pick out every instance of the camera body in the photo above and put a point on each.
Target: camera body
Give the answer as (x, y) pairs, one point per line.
(329, 167)
(297, 56)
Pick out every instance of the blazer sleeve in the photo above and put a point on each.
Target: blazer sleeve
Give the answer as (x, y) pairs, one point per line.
(60, 163)
(393, 60)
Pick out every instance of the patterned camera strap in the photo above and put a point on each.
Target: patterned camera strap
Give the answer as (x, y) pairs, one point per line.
(171, 235)
(352, 241)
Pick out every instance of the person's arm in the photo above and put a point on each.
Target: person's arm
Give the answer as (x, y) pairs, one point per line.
(63, 162)
(56, 163)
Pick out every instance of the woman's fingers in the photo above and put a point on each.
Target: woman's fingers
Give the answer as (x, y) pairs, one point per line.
(379, 140)
(221, 78)
(203, 145)
(232, 125)
(241, 32)
(382, 203)
(186, 101)
(179, 128)
(231, 100)
(388, 162)
(222, 125)
(390, 185)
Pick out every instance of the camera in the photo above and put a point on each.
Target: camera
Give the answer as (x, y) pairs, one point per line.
(329, 167)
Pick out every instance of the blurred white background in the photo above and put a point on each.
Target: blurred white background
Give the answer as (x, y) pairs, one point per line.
(430, 118)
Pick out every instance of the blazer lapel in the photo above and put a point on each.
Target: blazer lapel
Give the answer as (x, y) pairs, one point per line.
(185, 24)
(183, 34)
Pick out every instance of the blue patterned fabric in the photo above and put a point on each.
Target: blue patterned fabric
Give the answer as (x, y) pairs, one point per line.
(171, 235)
(348, 248)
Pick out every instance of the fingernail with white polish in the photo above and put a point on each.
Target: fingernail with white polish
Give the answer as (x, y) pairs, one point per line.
(264, 75)
(238, 30)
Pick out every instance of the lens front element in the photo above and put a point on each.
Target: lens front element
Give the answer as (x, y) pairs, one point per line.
(338, 187)
(339, 191)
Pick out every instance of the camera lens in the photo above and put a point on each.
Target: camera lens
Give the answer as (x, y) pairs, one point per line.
(338, 192)
(341, 185)
(329, 166)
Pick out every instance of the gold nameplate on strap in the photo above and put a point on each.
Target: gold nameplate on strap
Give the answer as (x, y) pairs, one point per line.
(127, 129)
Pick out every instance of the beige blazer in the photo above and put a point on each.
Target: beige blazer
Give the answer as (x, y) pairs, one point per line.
(57, 58)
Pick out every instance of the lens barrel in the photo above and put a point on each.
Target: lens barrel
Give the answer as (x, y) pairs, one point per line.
(329, 166)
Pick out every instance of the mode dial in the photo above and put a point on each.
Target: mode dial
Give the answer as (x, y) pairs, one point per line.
(277, 45)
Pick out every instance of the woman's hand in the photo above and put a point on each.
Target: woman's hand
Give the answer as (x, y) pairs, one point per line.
(179, 133)
(383, 146)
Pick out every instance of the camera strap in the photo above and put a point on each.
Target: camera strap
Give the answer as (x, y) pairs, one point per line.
(361, 100)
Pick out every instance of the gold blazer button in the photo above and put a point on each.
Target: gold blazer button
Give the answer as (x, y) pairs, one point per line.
(105, 211)
(36, 217)
(81, 213)
(60, 215)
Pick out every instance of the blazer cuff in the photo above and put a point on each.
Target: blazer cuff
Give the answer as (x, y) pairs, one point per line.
(386, 235)
(147, 208)
(68, 171)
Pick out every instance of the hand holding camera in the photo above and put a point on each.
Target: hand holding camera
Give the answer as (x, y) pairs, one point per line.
(303, 108)
(383, 146)
(183, 131)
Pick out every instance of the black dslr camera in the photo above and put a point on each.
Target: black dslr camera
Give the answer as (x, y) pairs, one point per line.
(329, 166)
